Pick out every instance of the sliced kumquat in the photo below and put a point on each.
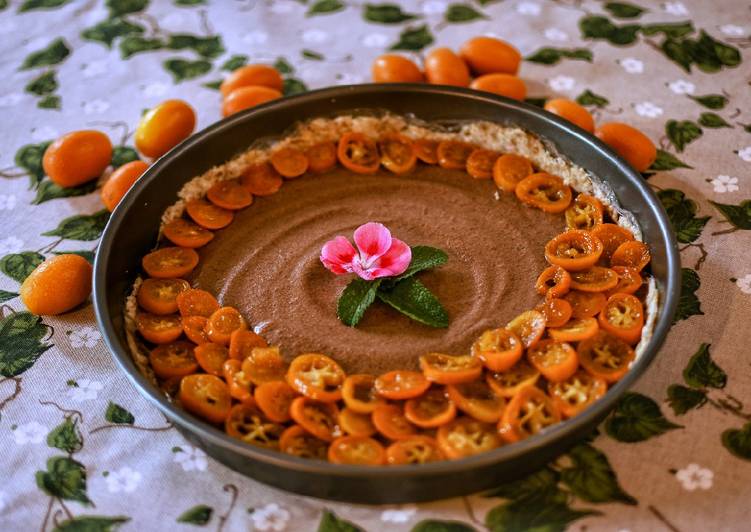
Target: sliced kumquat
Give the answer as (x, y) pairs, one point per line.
(296, 441)
(432, 409)
(508, 383)
(426, 150)
(605, 356)
(356, 424)
(528, 412)
(159, 296)
(170, 262)
(229, 194)
(401, 384)
(584, 213)
(529, 326)
(173, 360)
(453, 154)
(414, 450)
(242, 342)
(159, 329)
(498, 349)
(611, 236)
(595, 279)
(465, 436)
(629, 281)
(194, 328)
(356, 450)
(576, 393)
(206, 396)
(290, 162)
(208, 215)
(585, 304)
(556, 311)
(320, 419)
(211, 357)
(556, 361)
(187, 234)
(575, 330)
(321, 157)
(196, 302)
(544, 191)
(480, 163)
(391, 422)
(450, 369)
(478, 400)
(261, 180)
(274, 398)
(632, 254)
(623, 316)
(316, 376)
(358, 153)
(239, 385)
(359, 393)
(397, 153)
(574, 250)
(554, 281)
(222, 323)
(509, 170)
(247, 423)
(265, 364)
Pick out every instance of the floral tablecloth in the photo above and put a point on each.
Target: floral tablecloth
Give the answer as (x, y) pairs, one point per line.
(81, 450)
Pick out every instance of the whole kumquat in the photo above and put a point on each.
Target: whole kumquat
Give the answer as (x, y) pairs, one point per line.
(77, 157)
(506, 85)
(164, 127)
(628, 142)
(393, 68)
(120, 182)
(487, 55)
(444, 67)
(243, 98)
(248, 75)
(57, 285)
(571, 111)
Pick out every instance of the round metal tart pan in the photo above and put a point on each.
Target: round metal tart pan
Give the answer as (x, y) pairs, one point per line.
(132, 231)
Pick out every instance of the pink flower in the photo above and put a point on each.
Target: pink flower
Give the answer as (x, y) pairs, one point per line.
(377, 254)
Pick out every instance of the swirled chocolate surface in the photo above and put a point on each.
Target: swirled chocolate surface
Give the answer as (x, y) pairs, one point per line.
(266, 263)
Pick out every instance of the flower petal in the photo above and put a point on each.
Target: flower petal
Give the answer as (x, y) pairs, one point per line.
(337, 255)
(363, 273)
(373, 240)
(394, 262)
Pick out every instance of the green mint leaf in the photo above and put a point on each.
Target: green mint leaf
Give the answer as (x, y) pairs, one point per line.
(355, 300)
(412, 298)
(423, 258)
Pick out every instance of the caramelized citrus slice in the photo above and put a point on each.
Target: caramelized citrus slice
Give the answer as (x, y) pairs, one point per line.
(480, 163)
(509, 169)
(171, 262)
(528, 326)
(206, 396)
(397, 153)
(498, 349)
(187, 234)
(432, 409)
(289, 162)
(453, 154)
(229, 194)
(356, 450)
(623, 316)
(413, 450)
(261, 180)
(576, 393)
(208, 215)
(478, 400)
(450, 369)
(605, 356)
(316, 376)
(574, 250)
(556, 361)
(358, 153)
(465, 437)
(584, 213)
(528, 412)
(544, 191)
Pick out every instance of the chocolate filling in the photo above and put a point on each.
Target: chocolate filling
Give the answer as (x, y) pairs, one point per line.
(266, 263)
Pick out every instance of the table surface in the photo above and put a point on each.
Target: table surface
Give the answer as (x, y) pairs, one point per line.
(83, 451)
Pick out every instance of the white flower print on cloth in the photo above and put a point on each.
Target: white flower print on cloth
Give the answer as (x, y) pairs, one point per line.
(270, 517)
(681, 86)
(725, 183)
(31, 432)
(84, 390)
(7, 202)
(562, 83)
(44, 133)
(694, 476)
(155, 89)
(95, 107)
(744, 283)
(434, 7)
(9, 100)
(554, 34)
(191, 458)
(647, 109)
(125, 480)
(731, 30)
(85, 336)
(11, 244)
(675, 8)
(402, 514)
(745, 154)
(528, 8)
(375, 40)
(632, 66)
(315, 36)
(256, 37)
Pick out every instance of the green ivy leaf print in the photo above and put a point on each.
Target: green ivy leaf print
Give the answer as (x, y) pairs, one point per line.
(534, 514)
(293, 86)
(682, 399)
(682, 133)
(551, 56)
(43, 84)
(711, 55)
(702, 372)
(589, 98)
(637, 418)
(386, 14)
(666, 161)
(18, 266)
(84, 227)
(64, 478)
(189, 3)
(182, 69)
(48, 191)
(108, 30)
(208, 47)
(54, 54)
(678, 52)
(118, 415)
(434, 525)
(7, 296)
(682, 214)
(30, 5)
(21, 342)
(623, 10)
(355, 300)
(122, 155)
(598, 27)
(124, 7)
(591, 478)
(739, 215)
(414, 39)
(283, 66)
(711, 101)
(330, 522)
(673, 30)
(738, 441)
(463, 13)
(66, 437)
(543, 482)
(135, 44)
(688, 303)
(51, 101)
(91, 523)
(313, 56)
(712, 120)
(197, 515)
(88, 255)
(213, 85)
(322, 7)
(234, 62)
